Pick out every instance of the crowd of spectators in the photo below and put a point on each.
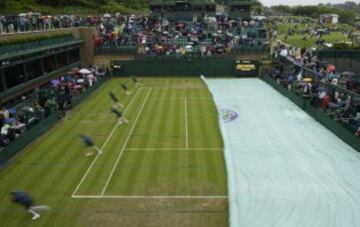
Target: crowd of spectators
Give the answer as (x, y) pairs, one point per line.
(26, 22)
(334, 92)
(54, 96)
(154, 36)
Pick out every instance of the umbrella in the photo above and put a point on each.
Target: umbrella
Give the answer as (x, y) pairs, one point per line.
(55, 82)
(107, 15)
(347, 73)
(64, 16)
(22, 15)
(158, 47)
(84, 71)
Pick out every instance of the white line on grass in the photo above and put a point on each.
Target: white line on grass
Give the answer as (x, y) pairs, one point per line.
(175, 88)
(150, 197)
(103, 146)
(186, 125)
(125, 143)
(174, 149)
(154, 98)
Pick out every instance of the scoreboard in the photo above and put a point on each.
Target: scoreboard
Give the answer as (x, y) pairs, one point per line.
(247, 68)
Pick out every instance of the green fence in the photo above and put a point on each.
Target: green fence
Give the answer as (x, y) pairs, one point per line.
(355, 54)
(342, 131)
(173, 67)
(35, 44)
(344, 60)
(43, 126)
(127, 50)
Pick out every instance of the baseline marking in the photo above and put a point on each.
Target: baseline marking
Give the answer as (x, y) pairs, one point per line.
(154, 98)
(125, 143)
(176, 88)
(174, 149)
(103, 146)
(150, 197)
(186, 125)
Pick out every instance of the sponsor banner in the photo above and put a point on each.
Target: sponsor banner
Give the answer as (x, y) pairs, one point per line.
(246, 68)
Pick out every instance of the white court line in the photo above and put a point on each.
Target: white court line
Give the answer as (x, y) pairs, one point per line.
(125, 143)
(150, 197)
(174, 149)
(103, 146)
(186, 125)
(154, 98)
(176, 88)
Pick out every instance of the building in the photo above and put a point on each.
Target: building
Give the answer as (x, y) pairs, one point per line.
(329, 19)
(356, 38)
(182, 10)
(28, 64)
(240, 9)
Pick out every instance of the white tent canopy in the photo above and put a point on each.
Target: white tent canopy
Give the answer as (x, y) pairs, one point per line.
(84, 71)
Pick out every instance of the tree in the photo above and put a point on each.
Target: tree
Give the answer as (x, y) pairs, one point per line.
(3, 3)
(56, 3)
(347, 16)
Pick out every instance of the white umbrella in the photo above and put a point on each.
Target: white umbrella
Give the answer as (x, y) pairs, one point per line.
(22, 15)
(107, 15)
(84, 71)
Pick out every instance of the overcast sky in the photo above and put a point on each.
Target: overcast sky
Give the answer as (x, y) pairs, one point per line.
(300, 2)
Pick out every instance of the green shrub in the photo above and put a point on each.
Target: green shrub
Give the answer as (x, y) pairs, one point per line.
(31, 37)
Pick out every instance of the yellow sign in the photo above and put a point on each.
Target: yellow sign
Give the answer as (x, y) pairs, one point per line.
(245, 67)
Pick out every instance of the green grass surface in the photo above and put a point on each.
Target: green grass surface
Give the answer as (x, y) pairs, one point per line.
(297, 40)
(171, 147)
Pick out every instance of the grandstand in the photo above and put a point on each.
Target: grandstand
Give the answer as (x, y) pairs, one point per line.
(27, 65)
(183, 10)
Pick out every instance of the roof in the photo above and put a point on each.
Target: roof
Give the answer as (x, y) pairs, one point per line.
(242, 3)
(173, 2)
(329, 15)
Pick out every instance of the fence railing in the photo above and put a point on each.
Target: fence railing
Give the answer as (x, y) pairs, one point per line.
(354, 54)
(316, 77)
(34, 44)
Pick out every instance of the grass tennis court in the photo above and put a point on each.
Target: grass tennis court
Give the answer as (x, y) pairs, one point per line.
(164, 168)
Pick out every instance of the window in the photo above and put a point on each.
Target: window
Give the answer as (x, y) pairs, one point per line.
(74, 56)
(1, 81)
(62, 60)
(49, 64)
(14, 76)
(33, 69)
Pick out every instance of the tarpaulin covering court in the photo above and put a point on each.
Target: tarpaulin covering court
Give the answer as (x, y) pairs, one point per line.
(284, 168)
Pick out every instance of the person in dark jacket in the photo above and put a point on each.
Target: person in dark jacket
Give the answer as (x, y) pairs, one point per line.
(24, 199)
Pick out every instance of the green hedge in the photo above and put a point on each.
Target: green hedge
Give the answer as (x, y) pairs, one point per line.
(13, 39)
